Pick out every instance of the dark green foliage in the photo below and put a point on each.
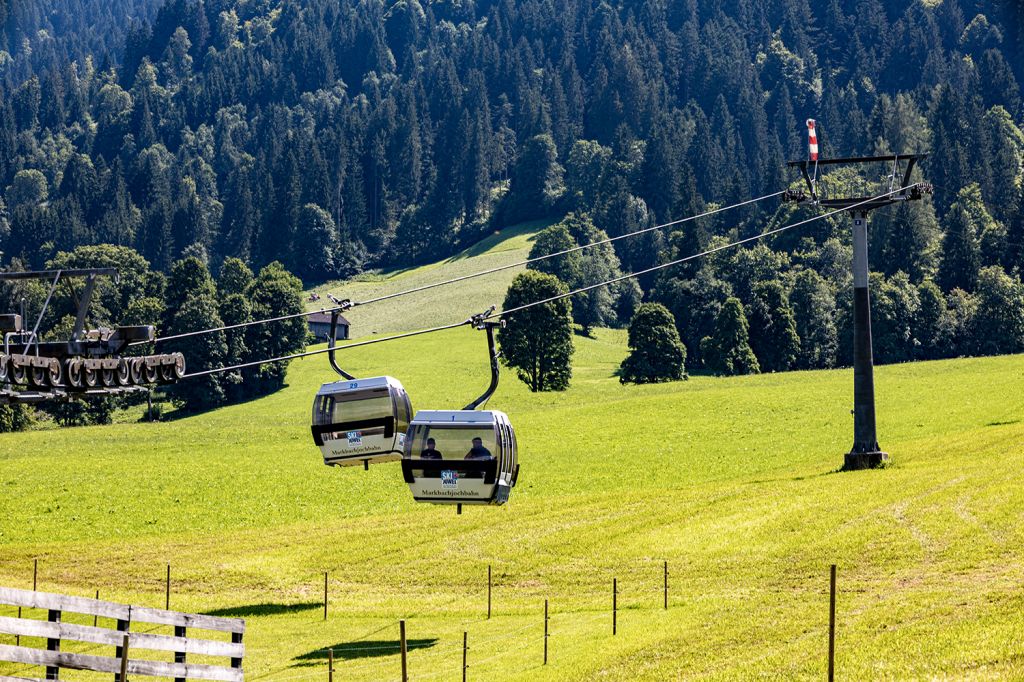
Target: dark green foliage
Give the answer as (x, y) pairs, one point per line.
(85, 412)
(274, 293)
(695, 304)
(316, 250)
(961, 252)
(773, 335)
(554, 240)
(999, 321)
(188, 278)
(536, 181)
(727, 352)
(235, 309)
(895, 307)
(235, 277)
(656, 351)
(134, 298)
(932, 325)
(208, 351)
(814, 307)
(15, 418)
(537, 342)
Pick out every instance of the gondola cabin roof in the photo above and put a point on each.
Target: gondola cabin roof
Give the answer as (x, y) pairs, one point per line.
(353, 384)
(441, 417)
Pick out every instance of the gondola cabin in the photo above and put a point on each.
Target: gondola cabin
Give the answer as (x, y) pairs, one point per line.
(461, 457)
(361, 421)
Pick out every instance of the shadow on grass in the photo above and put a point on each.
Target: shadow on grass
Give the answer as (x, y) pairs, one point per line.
(1006, 423)
(184, 413)
(365, 648)
(269, 609)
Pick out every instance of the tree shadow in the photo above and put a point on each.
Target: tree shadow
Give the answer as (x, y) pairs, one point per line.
(1005, 423)
(268, 609)
(366, 648)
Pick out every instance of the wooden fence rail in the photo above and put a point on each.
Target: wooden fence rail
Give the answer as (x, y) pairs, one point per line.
(125, 616)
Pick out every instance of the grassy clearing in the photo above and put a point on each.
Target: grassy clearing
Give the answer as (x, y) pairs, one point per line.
(732, 481)
(421, 310)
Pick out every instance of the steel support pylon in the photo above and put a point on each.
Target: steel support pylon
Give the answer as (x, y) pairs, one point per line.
(865, 454)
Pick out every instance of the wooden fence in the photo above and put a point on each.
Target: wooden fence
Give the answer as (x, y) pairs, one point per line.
(123, 639)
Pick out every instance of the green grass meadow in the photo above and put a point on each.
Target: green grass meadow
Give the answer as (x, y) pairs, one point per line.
(733, 482)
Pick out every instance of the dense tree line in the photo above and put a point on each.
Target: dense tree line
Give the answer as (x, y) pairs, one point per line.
(335, 136)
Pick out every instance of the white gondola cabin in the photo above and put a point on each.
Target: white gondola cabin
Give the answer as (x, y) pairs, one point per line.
(461, 457)
(361, 421)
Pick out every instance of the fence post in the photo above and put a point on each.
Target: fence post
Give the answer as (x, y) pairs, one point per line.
(95, 618)
(488, 591)
(465, 652)
(330, 665)
(179, 656)
(832, 626)
(545, 632)
(53, 644)
(35, 573)
(405, 651)
(124, 658)
(666, 586)
(615, 605)
(167, 594)
(122, 626)
(236, 638)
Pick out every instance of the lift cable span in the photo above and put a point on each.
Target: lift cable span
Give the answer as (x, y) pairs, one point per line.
(346, 304)
(716, 249)
(476, 319)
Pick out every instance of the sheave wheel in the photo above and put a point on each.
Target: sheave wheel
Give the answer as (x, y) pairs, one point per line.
(124, 372)
(55, 374)
(5, 364)
(18, 373)
(179, 366)
(37, 376)
(137, 369)
(74, 373)
(152, 373)
(92, 377)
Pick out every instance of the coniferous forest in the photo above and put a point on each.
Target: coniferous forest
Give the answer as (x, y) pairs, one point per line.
(335, 136)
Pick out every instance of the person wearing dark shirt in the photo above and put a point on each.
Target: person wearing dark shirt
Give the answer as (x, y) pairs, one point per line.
(478, 451)
(430, 452)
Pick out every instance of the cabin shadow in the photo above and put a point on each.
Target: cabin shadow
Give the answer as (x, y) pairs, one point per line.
(267, 609)
(364, 648)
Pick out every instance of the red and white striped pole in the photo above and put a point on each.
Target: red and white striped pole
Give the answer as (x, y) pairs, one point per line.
(812, 152)
(812, 140)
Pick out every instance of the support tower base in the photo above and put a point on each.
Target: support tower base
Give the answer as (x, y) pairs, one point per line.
(865, 460)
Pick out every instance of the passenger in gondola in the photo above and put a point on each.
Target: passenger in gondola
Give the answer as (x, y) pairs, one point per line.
(478, 451)
(430, 452)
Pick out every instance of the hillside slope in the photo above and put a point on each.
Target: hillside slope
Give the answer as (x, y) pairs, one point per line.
(434, 306)
(732, 481)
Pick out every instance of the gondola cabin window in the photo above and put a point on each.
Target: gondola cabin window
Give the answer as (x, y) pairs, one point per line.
(454, 442)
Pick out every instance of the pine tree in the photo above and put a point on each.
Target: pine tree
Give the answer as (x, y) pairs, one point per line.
(773, 335)
(656, 351)
(961, 252)
(728, 352)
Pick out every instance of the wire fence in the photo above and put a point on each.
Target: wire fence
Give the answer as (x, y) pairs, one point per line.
(591, 611)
